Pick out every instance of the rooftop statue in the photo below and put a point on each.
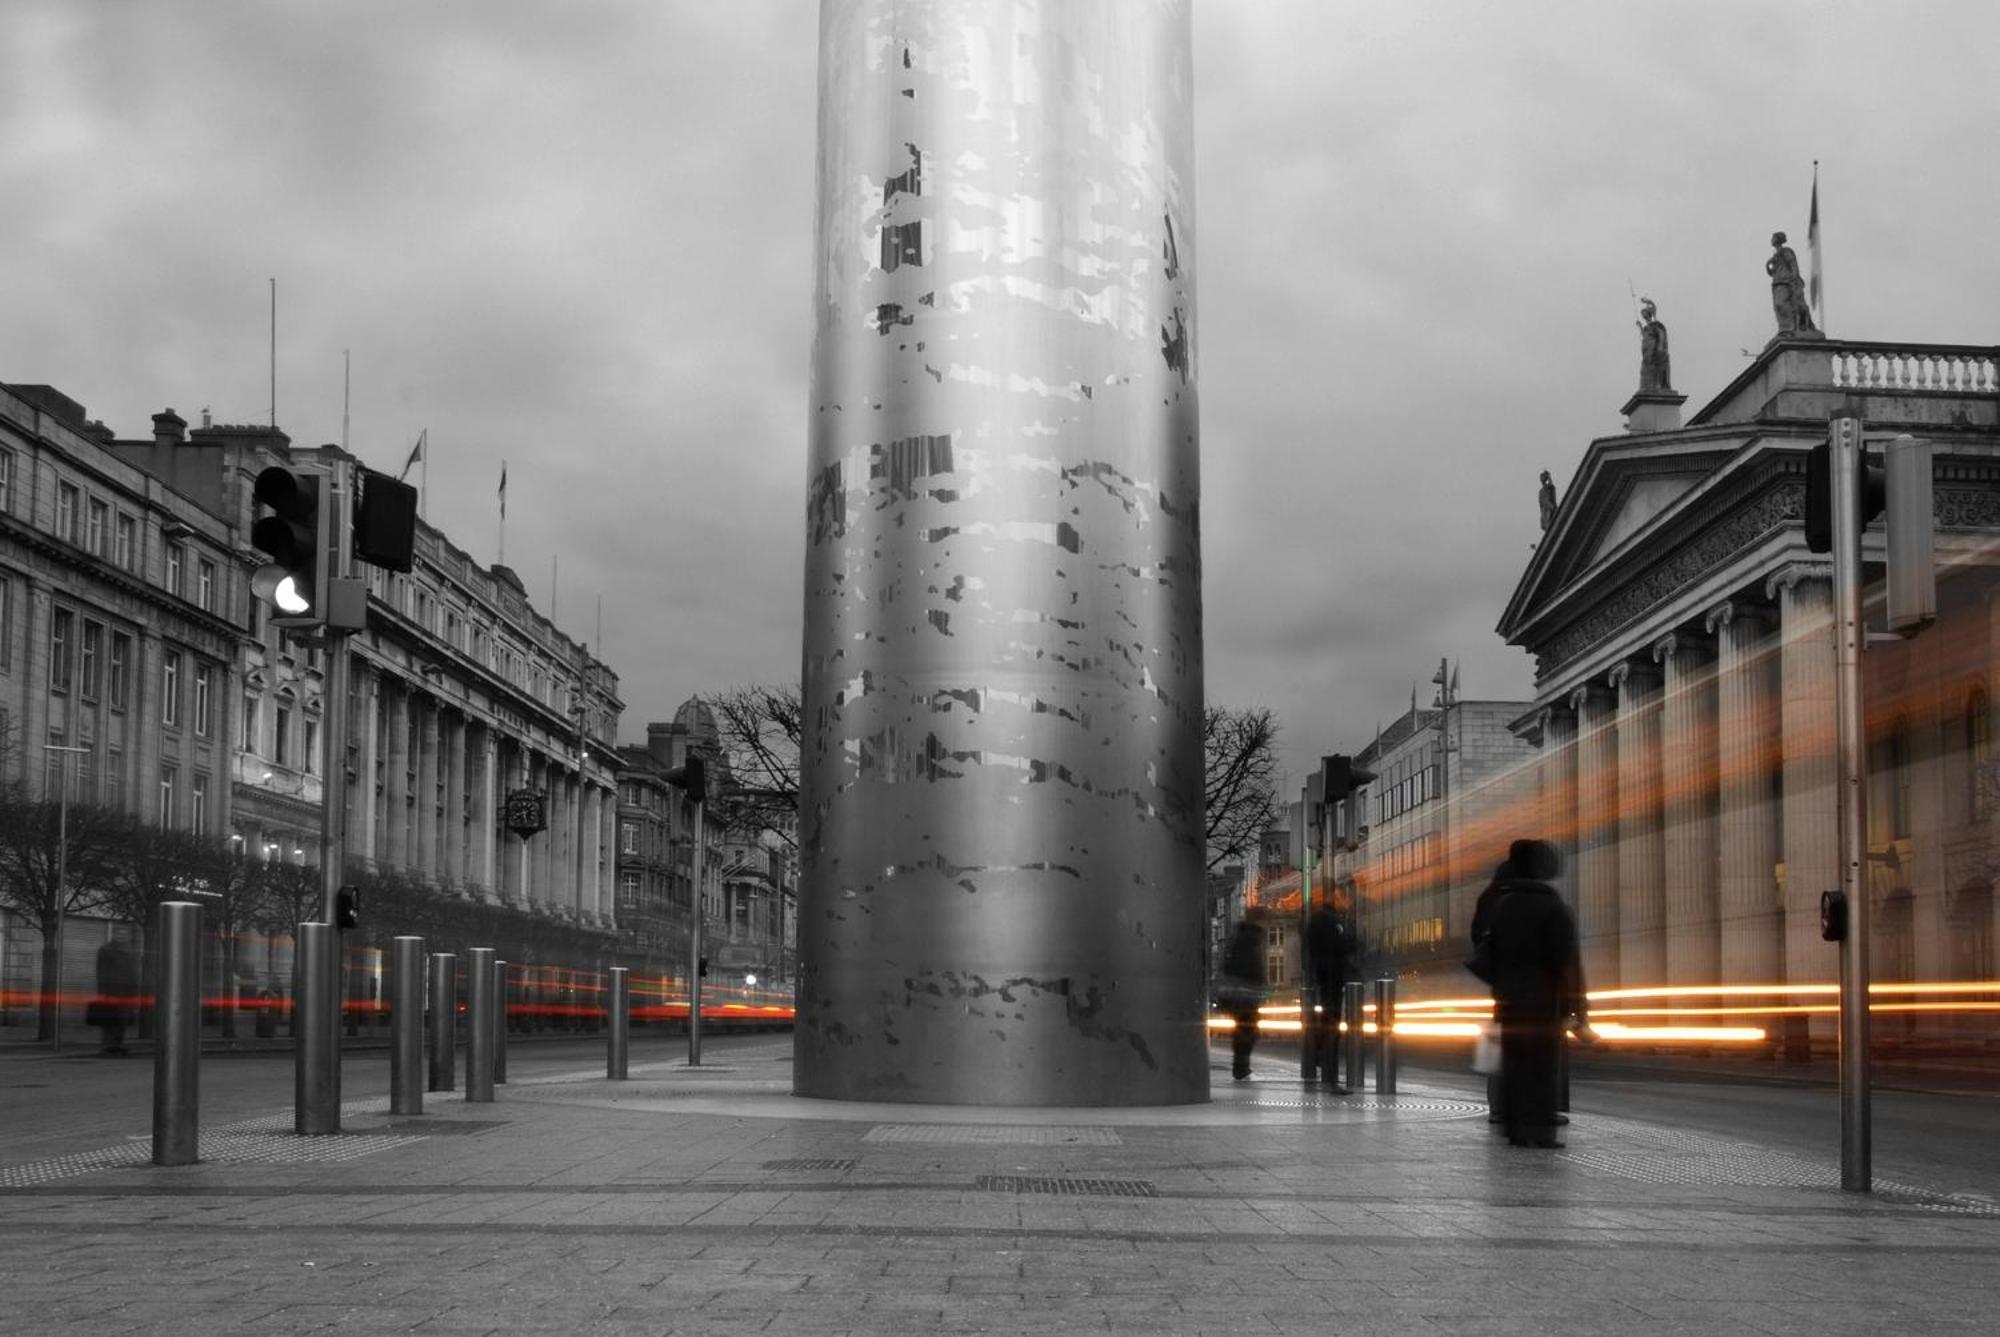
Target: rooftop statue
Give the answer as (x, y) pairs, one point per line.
(1788, 292)
(1547, 498)
(1655, 376)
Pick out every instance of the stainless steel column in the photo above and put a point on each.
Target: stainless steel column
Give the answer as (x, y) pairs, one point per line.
(406, 1028)
(619, 1018)
(1355, 1010)
(444, 1021)
(499, 1023)
(177, 1034)
(479, 1025)
(1001, 846)
(316, 986)
(1385, 1037)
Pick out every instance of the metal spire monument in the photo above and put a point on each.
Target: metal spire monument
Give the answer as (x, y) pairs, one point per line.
(1001, 828)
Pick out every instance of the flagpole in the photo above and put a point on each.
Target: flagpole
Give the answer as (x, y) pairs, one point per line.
(346, 391)
(424, 495)
(503, 513)
(1818, 282)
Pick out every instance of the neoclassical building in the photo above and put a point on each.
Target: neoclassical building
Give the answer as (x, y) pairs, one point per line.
(1684, 681)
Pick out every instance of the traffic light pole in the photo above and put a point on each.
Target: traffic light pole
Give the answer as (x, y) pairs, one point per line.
(695, 946)
(1849, 637)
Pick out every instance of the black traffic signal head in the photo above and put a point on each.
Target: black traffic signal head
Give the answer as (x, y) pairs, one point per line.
(1870, 491)
(691, 776)
(385, 522)
(293, 536)
(347, 907)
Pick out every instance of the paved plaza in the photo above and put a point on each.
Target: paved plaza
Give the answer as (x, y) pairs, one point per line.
(712, 1201)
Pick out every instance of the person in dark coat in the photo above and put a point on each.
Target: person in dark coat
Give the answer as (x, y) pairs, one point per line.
(1537, 987)
(1329, 953)
(1241, 989)
(117, 994)
(1482, 923)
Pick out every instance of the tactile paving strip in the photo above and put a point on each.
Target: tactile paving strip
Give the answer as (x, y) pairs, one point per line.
(811, 1163)
(266, 1140)
(993, 1135)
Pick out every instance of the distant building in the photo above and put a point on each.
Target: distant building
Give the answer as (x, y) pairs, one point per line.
(1684, 683)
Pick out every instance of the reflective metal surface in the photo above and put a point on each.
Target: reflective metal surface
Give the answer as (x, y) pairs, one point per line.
(1000, 826)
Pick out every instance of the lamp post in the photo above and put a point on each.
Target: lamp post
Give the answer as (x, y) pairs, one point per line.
(62, 878)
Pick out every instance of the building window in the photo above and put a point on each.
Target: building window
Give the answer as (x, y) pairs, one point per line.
(198, 803)
(279, 752)
(311, 757)
(6, 480)
(628, 837)
(250, 704)
(121, 658)
(170, 687)
(204, 682)
(628, 891)
(176, 562)
(125, 542)
(169, 782)
(6, 624)
(61, 627)
(93, 646)
(1978, 750)
(66, 502)
(114, 775)
(97, 527)
(204, 585)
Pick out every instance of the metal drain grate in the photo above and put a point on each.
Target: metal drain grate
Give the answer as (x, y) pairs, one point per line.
(993, 1135)
(1065, 1185)
(811, 1163)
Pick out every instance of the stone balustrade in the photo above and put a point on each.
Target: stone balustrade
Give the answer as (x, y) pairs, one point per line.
(1884, 367)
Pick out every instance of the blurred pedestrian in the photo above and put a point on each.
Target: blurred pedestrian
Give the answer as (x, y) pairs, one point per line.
(117, 995)
(1537, 988)
(1240, 990)
(1481, 964)
(1329, 958)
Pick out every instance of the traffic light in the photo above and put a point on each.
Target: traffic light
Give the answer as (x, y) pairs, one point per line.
(1868, 496)
(691, 777)
(294, 536)
(347, 907)
(385, 522)
(1911, 537)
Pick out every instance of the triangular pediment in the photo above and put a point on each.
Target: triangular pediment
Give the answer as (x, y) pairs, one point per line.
(1644, 497)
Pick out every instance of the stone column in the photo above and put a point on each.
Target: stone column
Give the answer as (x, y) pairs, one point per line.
(1597, 900)
(429, 820)
(455, 783)
(364, 823)
(1809, 747)
(1642, 958)
(1746, 762)
(1687, 769)
(32, 664)
(396, 772)
(1558, 810)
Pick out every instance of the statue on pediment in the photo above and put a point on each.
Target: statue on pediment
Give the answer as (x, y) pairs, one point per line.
(1788, 292)
(1547, 499)
(1655, 367)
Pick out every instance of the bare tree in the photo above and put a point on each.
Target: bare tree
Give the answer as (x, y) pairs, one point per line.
(759, 728)
(760, 733)
(1239, 780)
(53, 865)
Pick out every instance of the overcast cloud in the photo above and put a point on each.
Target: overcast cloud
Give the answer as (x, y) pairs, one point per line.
(577, 237)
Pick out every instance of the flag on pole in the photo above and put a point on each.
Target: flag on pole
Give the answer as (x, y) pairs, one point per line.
(416, 453)
(1812, 248)
(503, 489)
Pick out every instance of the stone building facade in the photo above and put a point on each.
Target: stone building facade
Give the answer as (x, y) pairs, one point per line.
(1684, 698)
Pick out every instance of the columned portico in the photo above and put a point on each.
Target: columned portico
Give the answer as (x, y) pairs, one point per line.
(1596, 709)
(1687, 768)
(1641, 909)
(1746, 766)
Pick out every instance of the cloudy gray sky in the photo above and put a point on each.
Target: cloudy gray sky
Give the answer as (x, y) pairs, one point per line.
(577, 237)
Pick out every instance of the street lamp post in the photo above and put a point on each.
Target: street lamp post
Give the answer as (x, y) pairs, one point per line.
(62, 879)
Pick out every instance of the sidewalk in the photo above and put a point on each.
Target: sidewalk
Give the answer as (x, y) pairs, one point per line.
(711, 1200)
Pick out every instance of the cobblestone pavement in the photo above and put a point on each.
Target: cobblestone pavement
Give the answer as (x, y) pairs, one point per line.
(711, 1201)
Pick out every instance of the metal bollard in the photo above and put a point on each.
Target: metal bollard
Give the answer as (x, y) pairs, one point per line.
(177, 1059)
(1385, 1036)
(406, 1028)
(444, 1022)
(619, 1029)
(479, 1024)
(315, 984)
(1350, 1047)
(499, 1023)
